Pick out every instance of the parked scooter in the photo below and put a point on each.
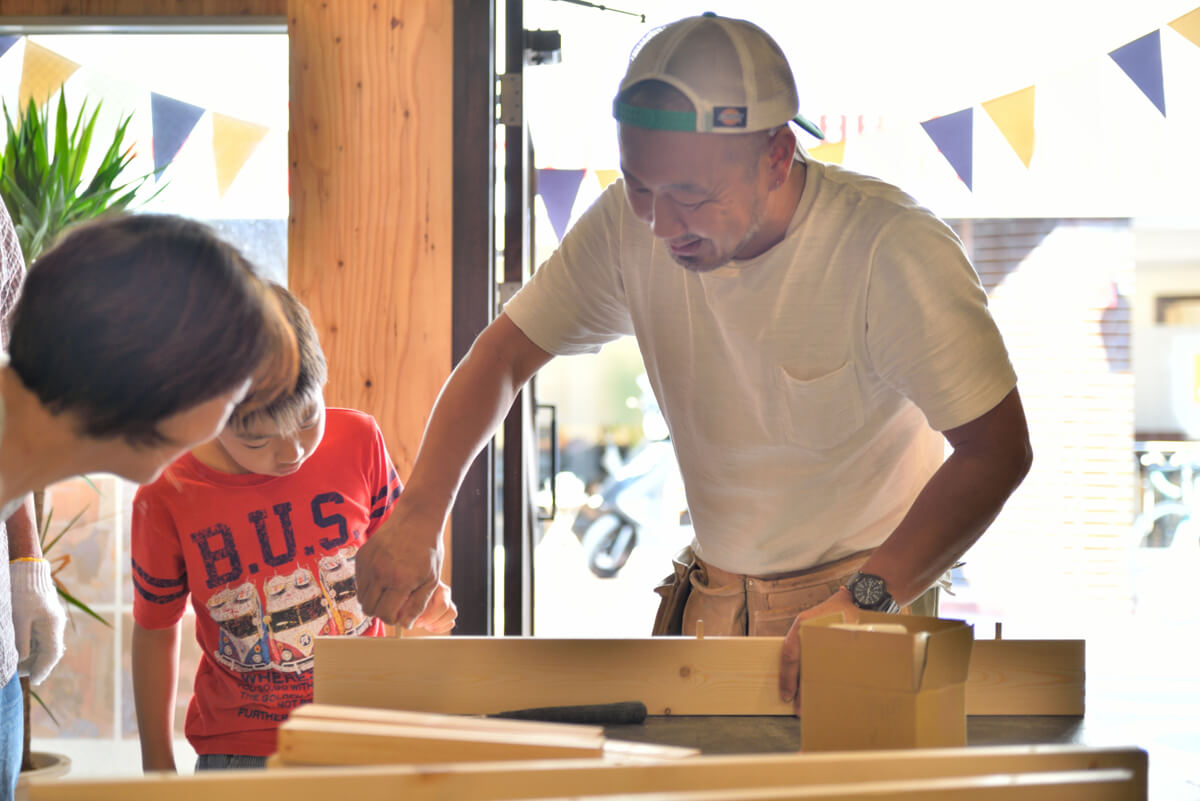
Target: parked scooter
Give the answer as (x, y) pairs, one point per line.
(630, 501)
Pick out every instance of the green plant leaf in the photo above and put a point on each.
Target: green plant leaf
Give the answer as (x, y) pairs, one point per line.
(44, 185)
(81, 606)
(34, 695)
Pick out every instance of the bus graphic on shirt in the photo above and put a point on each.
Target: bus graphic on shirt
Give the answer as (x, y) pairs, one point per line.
(297, 613)
(337, 577)
(242, 642)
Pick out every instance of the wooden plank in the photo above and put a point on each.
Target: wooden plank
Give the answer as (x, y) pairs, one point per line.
(1118, 772)
(340, 742)
(1026, 677)
(398, 717)
(1074, 786)
(558, 733)
(672, 676)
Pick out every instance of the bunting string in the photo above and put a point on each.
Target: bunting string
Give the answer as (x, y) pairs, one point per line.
(44, 72)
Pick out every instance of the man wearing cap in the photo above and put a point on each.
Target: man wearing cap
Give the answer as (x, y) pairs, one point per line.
(813, 336)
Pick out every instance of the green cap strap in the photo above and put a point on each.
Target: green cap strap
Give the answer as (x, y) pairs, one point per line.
(654, 118)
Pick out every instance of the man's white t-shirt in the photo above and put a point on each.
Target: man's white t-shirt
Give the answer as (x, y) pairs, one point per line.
(804, 388)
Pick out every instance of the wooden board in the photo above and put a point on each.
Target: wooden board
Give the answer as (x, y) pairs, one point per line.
(343, 742)
(399, 717)
(516, 780)
(1026, 677)
(671, 675)
(389, 746)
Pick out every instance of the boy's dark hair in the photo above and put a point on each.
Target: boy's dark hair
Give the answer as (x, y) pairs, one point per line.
(132, 318)
(290, 409)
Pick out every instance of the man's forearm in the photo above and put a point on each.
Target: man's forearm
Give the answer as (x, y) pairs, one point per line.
(469, 410)
(958, 503)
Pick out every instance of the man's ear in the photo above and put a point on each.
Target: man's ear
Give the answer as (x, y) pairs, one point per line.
(781, 150)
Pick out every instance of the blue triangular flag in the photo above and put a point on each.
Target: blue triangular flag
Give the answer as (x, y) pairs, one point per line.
(1141, 60)
(954, 135)
(558, 189)
(6, 43)
(173, 120)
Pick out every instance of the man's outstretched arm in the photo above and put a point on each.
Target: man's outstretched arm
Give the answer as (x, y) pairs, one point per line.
(398, 568)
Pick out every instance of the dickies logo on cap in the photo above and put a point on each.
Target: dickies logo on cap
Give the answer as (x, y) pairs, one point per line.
(729, 116)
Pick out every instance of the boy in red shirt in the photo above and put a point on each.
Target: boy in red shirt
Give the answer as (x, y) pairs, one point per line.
(261, 527)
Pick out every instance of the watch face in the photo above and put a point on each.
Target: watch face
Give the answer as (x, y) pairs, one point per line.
(868, 590)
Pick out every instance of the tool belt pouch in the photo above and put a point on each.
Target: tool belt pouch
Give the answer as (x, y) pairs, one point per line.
(673, 594)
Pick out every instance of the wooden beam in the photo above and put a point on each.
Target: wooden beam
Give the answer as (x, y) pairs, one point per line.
(516, 780)
(342, 742)
(672, 676)
(1026, 677)
(395, 717)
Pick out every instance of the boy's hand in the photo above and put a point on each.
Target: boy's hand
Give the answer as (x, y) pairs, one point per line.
(440, 614)
(398, 569)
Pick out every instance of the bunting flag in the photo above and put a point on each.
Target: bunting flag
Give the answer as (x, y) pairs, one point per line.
(233, 142)
(558, 189)
(6, 43)
(954, 136)
(606, 177)
(172, 121)
(1141, 60)
(832, 152)
(42, 74)
(1013, 115)
(1188, 26)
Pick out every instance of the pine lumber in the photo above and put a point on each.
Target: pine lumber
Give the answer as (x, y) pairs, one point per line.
(671, 675)
(343, 742)
(1031, 773)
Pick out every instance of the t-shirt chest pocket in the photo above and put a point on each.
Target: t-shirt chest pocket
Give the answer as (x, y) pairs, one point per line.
(822, 412)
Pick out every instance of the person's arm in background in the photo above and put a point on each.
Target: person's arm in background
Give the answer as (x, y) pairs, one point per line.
(39, 619)
(399, 567)
(991, 457)
(155, 677)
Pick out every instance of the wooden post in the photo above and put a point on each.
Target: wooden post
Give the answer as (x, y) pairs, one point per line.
(369, 237)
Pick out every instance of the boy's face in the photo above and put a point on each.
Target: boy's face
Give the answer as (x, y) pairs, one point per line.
(267, 451)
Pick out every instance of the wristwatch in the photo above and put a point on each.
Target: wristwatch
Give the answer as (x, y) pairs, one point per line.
(870, 592)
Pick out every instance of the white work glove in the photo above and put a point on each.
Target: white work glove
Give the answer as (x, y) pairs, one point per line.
(39, 619)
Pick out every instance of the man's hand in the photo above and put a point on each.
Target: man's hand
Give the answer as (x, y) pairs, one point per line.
(789, 666)
(439, 614)
(39, 620)
(398, 569)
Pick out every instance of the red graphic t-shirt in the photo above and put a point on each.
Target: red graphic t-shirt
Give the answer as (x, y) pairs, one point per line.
(269, 564)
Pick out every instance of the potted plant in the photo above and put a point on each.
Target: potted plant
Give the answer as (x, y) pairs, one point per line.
(42, 183)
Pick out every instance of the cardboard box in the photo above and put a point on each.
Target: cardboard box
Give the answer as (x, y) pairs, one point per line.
(891, 681)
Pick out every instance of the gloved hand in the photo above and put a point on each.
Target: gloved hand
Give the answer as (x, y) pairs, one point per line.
(39, 619)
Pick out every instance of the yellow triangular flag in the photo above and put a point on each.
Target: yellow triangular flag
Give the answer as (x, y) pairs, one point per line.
(606, 177)
(42, 74)
(1189, 26)
(1013, 115)
(832, 152)
(233, 142)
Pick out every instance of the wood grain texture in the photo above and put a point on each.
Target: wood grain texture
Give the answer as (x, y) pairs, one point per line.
(369, 237)
(397, 717)
(1026, 677)
(481, 675)
(342, 742)
(143, 8)
(672, 676)
(514, 780)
